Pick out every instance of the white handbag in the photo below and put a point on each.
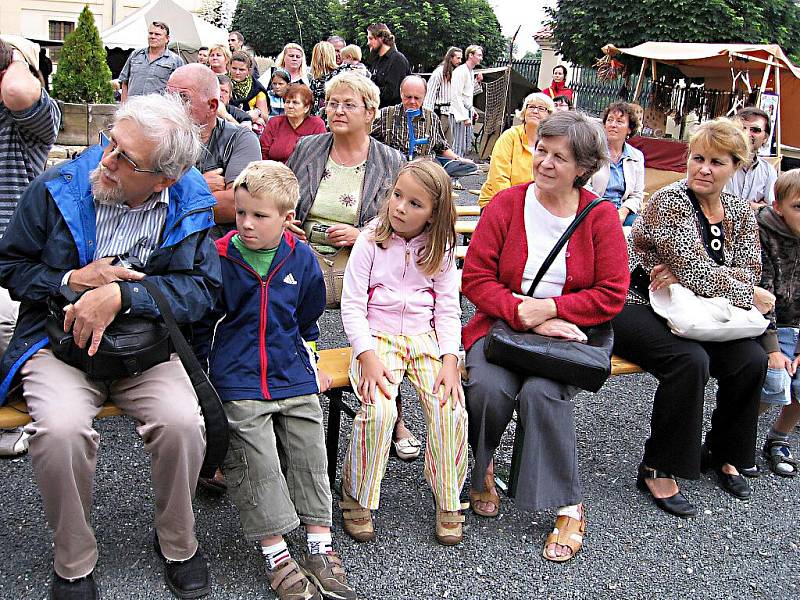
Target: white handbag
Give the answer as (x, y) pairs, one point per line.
(705, 319)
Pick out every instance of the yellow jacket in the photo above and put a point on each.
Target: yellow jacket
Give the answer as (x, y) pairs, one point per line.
(511, 164)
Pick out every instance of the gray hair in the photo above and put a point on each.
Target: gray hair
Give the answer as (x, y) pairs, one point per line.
(586, 140)
(163, 119)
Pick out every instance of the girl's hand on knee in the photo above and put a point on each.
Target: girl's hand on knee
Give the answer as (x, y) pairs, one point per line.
(448, 382)
(374, 374)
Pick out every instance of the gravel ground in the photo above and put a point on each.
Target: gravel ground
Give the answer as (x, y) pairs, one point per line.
(733, 549)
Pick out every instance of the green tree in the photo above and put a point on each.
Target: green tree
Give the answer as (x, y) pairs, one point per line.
(424, 30)
(268, 25)
(83, 74)
(582, 27)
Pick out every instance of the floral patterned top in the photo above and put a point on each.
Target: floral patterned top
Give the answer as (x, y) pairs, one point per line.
(338, 201)
(668, 232)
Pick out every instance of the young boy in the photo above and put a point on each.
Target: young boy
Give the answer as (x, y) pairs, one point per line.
(262, 364)
(779, 227)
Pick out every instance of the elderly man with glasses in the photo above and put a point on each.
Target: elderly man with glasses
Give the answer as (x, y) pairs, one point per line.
(136, 194)
(754, 181)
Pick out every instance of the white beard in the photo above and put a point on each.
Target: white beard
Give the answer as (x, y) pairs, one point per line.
(111, 196)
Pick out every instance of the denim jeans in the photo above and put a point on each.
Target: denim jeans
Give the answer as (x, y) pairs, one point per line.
(456, 167)
(779, 387)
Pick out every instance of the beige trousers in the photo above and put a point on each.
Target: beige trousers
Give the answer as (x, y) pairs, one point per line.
(63, 448)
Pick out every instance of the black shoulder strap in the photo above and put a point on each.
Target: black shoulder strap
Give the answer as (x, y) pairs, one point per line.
(561, 241)
(213, 413)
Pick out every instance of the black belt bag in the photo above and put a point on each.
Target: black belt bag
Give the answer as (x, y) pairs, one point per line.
(583, 364)
(131, 345)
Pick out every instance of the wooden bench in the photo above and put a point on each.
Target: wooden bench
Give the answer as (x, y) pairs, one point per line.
(468, 210)
(336, 363)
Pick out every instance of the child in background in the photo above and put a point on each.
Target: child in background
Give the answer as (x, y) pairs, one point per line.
(401, 313)
(263, 365)
(275, 91)
(779, 227)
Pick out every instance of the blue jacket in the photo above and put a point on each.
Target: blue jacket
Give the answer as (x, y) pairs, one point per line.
(53, 231)
(258, 350)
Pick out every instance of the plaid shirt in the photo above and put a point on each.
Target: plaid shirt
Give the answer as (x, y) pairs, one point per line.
(391, 128)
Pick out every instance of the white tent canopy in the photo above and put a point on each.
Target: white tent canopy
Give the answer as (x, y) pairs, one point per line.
(187, 32)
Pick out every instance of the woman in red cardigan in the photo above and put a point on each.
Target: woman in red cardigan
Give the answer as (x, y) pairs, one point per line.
(282, 132)
(586, 285)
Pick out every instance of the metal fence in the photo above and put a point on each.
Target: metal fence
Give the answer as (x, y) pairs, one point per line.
(592, 94)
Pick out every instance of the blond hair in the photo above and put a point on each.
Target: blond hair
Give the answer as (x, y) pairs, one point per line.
(543, 98)
(351, 52)
(369, 92)
(441, 240)
(787, 186)
(323, 59)
(270, 181)
(225, 52)
(722, 135)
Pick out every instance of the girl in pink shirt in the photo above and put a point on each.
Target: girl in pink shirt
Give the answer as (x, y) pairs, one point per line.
(401, 313)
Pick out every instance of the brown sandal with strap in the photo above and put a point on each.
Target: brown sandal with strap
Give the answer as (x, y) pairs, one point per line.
(449, 526)
(357, 519)
(567, 532)
(487, 496)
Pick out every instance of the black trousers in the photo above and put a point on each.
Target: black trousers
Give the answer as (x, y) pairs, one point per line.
(682, 368)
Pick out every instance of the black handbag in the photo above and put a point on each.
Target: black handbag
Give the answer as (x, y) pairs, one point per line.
(130, 345)
(584, 364)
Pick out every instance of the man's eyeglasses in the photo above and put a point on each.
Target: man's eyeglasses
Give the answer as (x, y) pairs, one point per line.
(106, 143)
(332, 107)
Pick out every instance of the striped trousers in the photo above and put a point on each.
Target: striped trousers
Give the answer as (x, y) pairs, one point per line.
(462, 137)
(417, 357)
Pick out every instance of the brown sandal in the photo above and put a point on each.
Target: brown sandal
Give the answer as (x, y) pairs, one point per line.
(449, 526)
(357, 519)
(567, 532)
(487, 496)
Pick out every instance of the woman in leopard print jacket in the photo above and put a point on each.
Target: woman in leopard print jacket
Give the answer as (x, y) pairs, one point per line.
(693, 233)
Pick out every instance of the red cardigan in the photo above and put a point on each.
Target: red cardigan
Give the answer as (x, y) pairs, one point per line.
(280, 138)
(597, 265)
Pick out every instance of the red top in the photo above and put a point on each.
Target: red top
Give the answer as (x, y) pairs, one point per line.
(597, 265)
(558, 89)
(280, 138)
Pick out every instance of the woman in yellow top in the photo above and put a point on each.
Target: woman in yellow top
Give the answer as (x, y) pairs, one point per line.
(512, 158)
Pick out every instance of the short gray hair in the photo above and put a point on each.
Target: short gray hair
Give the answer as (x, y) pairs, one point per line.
(586, 140)
(163, 119)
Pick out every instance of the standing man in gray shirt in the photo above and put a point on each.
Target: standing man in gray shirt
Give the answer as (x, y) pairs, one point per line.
(147, 70)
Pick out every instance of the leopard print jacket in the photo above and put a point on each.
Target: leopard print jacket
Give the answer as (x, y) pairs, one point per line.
(668, 231)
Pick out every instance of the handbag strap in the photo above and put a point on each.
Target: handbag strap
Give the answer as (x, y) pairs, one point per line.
(187, 356)
(561, 242)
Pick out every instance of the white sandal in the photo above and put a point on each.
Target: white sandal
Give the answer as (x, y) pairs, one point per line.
(406, 449)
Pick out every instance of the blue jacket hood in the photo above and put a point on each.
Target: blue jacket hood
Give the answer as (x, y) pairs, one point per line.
(71, 190)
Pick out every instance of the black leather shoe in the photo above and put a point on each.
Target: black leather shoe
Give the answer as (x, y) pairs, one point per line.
(84, 588)
(735, 485)
(188, 578)
(676, 504)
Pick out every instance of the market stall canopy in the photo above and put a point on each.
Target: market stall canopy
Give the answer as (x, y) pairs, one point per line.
(717, 62)
(187, 32)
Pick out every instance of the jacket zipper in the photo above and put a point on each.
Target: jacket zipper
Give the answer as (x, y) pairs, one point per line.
(262, 318)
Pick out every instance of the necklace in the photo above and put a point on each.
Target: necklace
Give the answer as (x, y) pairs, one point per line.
(357, 159)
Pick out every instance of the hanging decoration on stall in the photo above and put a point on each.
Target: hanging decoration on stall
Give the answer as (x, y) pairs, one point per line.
(608, 67)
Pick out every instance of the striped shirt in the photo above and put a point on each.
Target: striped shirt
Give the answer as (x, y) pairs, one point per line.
(391, 128)
(438, 93)
(133, 231)
(25, 141)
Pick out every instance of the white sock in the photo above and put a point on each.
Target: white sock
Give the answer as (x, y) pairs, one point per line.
(573, 510)
(276, 554)
(320, 543)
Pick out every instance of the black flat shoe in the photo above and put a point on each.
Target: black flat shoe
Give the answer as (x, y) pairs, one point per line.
(676, 504)
(735, 485)
(84, 588)
(188, 578)
(750, 472)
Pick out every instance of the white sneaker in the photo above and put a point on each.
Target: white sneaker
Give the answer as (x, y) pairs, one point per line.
(13, 442)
